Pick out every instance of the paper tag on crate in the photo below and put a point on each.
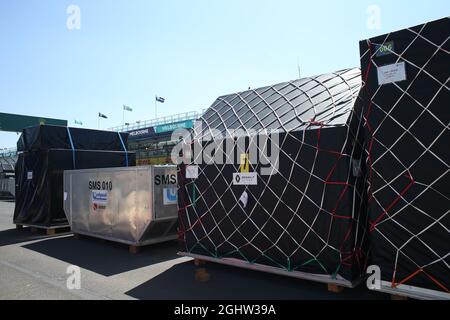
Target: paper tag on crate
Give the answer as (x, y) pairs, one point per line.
(191, 172)
(244, 199)
(391, 73)
(356, 167)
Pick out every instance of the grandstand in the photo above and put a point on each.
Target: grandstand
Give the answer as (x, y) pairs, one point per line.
(8, 158)
(151, 139)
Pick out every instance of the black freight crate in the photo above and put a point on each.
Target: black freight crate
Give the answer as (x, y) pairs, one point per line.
(39, 181)
(44, 137)
(308, 219)
(407, 98)
(45, 151)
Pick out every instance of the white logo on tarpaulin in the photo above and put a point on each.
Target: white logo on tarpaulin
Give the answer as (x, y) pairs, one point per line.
(170, 196)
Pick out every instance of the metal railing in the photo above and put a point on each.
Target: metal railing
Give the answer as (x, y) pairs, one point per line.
(8, 152)
(159, 121)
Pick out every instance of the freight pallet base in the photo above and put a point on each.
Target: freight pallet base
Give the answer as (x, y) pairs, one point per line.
(334, 285)
(52, 230)
(402, 292)
(133, 248)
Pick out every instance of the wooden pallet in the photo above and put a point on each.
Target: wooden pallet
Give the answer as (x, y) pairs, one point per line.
(50, 231)
(199, 262)
(398, 297)
(335, 288)
(202, 275)
(133, 249)
(336, 285)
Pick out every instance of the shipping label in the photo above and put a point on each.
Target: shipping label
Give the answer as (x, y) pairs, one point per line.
(245, 179)
(391, 73)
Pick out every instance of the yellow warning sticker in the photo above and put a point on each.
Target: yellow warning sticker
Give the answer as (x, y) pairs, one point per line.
(245, 164)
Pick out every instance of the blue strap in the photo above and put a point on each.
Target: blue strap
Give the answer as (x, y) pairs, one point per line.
(73, 148)
(124, 148)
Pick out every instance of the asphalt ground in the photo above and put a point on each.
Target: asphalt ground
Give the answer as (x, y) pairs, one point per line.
(34, 266)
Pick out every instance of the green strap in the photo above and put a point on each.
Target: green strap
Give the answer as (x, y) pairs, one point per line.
(194, 195)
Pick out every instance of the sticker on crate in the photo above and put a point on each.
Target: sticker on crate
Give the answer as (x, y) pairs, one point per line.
(245, 179)
(170, 196)
(385, 49)
(99, 197)
(391, 73)
(191, 172)
(245, 164)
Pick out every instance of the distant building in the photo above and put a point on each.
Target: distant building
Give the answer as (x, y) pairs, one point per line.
(151, 140)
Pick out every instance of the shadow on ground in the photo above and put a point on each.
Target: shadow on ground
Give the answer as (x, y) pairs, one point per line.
(234, 283)
(13, 236)
(106, 258)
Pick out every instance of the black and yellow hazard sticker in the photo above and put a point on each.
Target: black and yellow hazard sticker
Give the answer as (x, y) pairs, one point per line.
(245, 163)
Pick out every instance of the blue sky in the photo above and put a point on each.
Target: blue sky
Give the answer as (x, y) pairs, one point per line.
(189, 52)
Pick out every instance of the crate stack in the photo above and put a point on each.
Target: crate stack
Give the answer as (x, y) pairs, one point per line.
(407, 97)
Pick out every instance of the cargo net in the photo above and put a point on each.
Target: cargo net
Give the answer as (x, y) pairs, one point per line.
(308, 217)
(407, 128)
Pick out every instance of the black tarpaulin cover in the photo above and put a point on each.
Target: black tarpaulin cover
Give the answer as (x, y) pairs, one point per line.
(308, 217)
(46, 137)
(39, 181)
(406, 75)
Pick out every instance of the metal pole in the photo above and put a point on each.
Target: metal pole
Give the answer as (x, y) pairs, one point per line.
(123, 116)
(156, 106)
(99, 122)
